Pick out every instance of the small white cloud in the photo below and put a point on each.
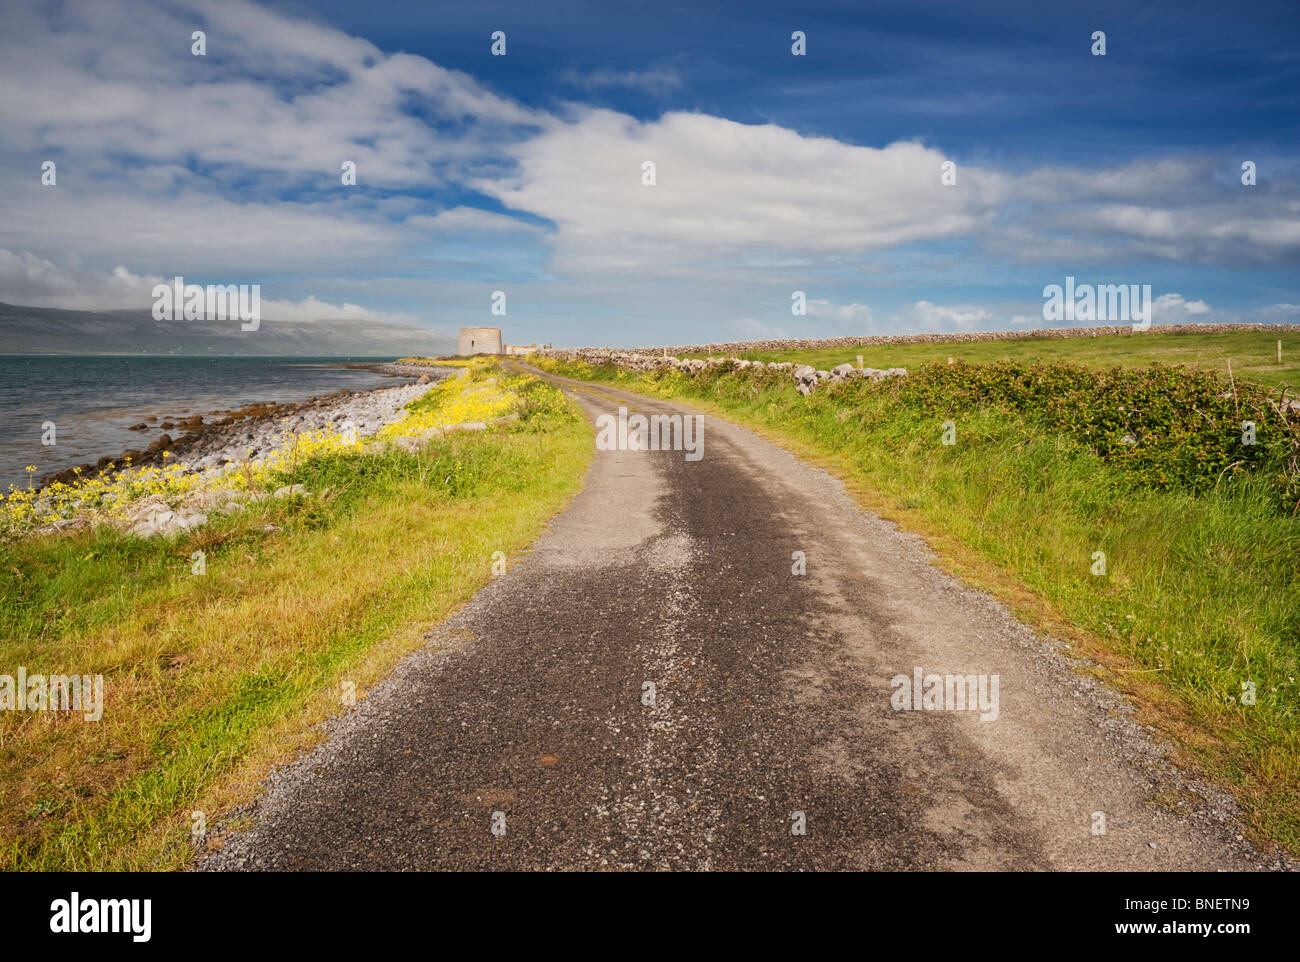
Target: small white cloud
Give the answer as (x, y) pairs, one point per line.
(1174, 308)
(856, 313)
(748, 329)
(926, 317)
(311, 309)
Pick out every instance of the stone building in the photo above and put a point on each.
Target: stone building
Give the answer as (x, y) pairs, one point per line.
(479, 340)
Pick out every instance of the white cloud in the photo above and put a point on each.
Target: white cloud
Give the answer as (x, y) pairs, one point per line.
(727, 194)
(748, 329)
(932, 318)
(732, 197)
(835, 320)
(311, 309)
(852, 313)
(1174, 309)
(35, 282)
(273, 94)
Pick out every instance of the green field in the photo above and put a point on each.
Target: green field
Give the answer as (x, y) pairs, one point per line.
(1196, 614)
(1253, 353)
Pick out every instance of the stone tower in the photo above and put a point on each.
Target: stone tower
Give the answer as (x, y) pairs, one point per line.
(479, 340)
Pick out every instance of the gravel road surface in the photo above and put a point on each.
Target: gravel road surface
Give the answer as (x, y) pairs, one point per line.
(524, 735)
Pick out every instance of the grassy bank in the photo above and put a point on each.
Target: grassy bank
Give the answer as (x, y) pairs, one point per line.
(1199, 603)
(1253, 353)
(209, 678)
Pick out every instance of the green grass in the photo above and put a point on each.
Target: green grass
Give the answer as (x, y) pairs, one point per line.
(1253, 353)
(1202, 586)
(211, 678)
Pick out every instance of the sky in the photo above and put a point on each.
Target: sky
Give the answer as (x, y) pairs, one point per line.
(524, 173)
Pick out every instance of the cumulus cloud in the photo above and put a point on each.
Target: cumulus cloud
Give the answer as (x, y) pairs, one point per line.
(1175, 309)
(727, 194)
(273, 93)
(731, 196)
(36, 282)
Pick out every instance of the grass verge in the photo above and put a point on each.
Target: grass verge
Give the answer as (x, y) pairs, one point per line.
(210, 678)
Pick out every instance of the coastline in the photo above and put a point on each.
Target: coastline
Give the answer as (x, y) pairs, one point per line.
(217, 437)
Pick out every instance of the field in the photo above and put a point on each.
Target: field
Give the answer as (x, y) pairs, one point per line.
(1253, 353)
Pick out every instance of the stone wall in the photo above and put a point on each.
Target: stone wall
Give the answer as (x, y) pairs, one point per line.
(806, 378)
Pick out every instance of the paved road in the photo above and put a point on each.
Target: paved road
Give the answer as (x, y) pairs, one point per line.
(772, 697)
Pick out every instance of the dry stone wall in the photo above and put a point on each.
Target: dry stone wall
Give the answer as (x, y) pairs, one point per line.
(806, 378)
(740, 347)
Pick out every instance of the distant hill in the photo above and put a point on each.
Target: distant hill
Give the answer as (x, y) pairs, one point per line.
(46, 330)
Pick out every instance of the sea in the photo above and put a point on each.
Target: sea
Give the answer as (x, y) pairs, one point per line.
(93, 400)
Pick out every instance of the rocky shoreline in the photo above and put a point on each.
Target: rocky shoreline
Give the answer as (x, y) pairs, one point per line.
(217, 438)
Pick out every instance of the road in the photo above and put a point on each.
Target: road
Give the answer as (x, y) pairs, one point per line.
(770, 741)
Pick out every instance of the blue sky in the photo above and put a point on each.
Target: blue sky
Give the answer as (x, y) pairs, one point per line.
(774, 172)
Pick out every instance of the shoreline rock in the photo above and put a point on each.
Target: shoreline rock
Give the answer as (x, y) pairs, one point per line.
(218, 436)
